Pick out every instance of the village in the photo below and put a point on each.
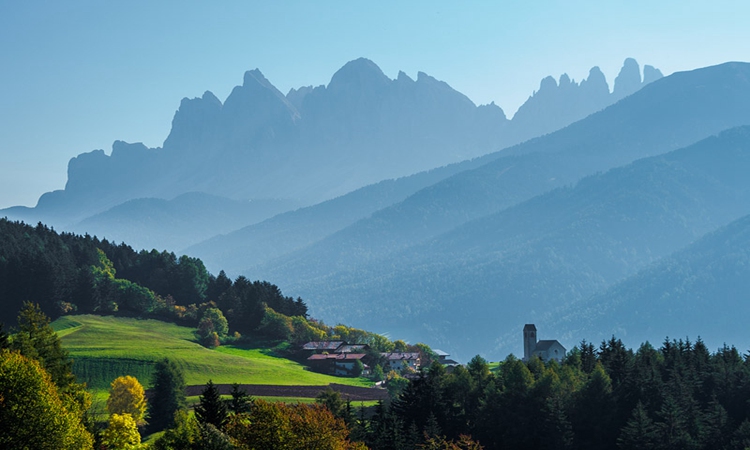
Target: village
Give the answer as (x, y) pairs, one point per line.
(344, 359)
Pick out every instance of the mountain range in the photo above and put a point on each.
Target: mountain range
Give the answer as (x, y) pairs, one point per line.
(381, 263)
(310, 145)
(399, 205)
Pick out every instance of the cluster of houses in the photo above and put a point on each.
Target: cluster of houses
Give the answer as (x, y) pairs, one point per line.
(340, 358)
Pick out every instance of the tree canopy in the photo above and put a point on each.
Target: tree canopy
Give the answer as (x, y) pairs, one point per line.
(33, 413)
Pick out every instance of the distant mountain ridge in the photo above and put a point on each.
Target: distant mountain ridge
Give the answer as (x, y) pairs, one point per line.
(313, 144)
(666, 115)
(700, 291)
(662, 117)
(522, 263)
(557, 104)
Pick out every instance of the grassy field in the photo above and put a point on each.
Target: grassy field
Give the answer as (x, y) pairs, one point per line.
(105, 347)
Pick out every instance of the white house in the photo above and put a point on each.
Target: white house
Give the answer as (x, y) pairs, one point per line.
(401, 361)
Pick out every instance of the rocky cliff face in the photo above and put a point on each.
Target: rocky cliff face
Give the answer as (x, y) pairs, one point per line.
(557, 104)
(316, 143)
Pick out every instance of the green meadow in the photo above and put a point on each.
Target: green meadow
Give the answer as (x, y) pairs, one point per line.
(105, 347)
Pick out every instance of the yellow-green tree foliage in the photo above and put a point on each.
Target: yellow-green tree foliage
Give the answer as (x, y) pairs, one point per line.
(122, 433)
(126, 396)
(464, 442)
(33, 415)
(185, 434)
(280, 426)
(305, 332)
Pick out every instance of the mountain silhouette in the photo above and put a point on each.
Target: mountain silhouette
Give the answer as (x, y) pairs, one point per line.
(313, 144)
(668, 114)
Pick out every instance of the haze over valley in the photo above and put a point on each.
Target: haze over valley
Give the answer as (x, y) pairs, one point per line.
(401, 205)
(411, 170)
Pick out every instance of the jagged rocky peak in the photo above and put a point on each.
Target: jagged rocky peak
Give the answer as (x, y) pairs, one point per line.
(194, 115)
(547, 84)
(122, 150)
(565, 81)
(651, 74)
(628, 80)
(257, 96)
(596, 82)
(404, 78)
(427, 83)
(360, 74)
(493, 112)
(254, 78)
(297, 96)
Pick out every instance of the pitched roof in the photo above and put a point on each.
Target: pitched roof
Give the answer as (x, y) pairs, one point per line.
(348, 348)
(349, 356)
(336, 356)
(440, 352)
(545, 345)
(323, 345)
(398, 356)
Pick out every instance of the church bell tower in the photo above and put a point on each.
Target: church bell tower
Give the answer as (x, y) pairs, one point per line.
(529, 340)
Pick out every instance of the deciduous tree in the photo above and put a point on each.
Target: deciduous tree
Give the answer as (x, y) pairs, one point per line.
(33, 414)
(122, 433)
(126, 396)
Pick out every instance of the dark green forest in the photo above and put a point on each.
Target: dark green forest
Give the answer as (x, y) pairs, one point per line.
(679, 396)
(66, 273)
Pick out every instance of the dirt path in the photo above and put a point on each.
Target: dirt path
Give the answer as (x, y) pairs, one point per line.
(353, 393)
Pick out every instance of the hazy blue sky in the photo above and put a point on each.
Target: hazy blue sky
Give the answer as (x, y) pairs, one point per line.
(77, 75)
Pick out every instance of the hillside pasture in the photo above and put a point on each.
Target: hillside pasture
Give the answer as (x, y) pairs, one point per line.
(105, 347)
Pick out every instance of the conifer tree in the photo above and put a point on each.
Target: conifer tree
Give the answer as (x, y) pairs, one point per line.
(169, 395)
(36, 339)
(639, 433)
(241, 402)
(211, 408)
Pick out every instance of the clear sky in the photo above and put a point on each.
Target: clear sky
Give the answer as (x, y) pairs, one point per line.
(77, 75)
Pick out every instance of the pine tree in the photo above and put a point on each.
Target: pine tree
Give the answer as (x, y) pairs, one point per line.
(639, 433)
(36, 339)
(169, 395)
(211, 408)
(241, 402)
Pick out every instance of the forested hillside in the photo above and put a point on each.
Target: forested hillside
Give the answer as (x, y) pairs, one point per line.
(668, 114)
(705, 285)
(521, 264)
(65, 273)
(677, 396)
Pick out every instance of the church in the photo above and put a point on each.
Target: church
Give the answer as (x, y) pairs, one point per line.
(545, 350)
